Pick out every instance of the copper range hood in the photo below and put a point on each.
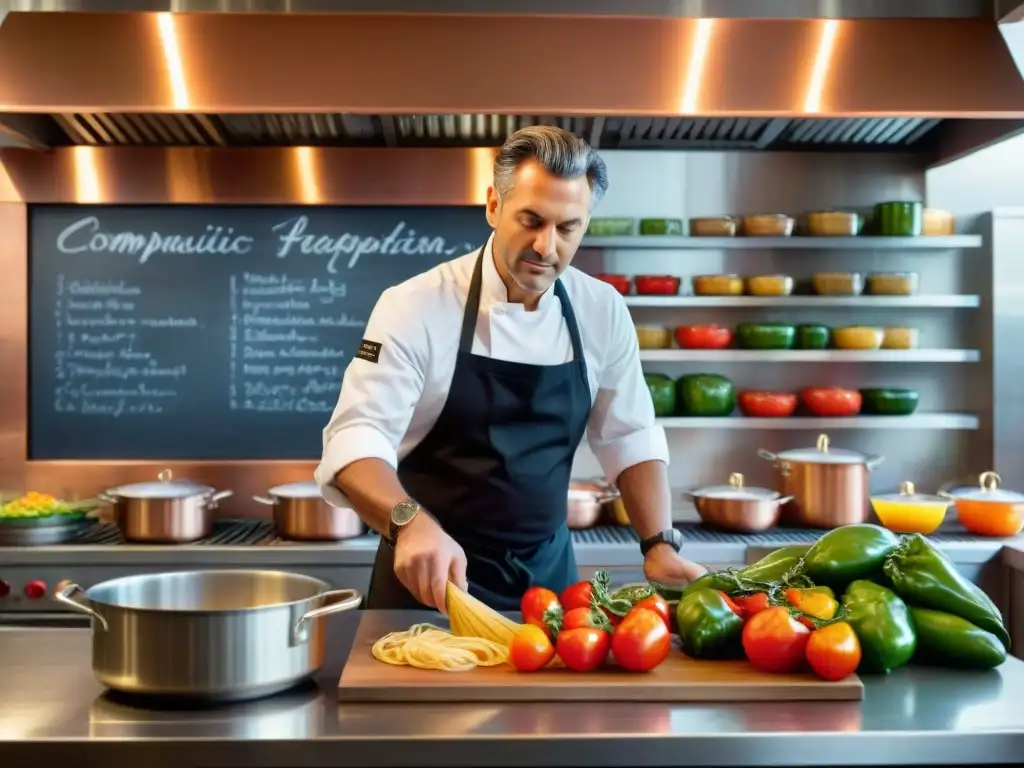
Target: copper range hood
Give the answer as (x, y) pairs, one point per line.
(673, 75)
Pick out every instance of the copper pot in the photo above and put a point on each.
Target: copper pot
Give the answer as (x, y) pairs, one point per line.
(165, 512)
(302, 514)
(586, 503)
(735, 507)
(829, 487)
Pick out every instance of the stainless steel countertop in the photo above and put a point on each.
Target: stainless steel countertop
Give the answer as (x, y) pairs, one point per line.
(254, 544)
(51, 710)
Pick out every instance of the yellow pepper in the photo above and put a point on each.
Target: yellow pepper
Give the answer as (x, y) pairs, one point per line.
(814, 602)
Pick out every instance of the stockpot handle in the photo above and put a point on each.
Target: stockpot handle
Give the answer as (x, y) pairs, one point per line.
(263, 500)
(64, 596)
(340, 600)
(767, 455)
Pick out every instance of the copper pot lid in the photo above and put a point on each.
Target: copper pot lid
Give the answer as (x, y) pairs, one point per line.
(823, 453)
(304, 489)
(735, 490)
(988, 490)
(908, 495)
(164, 488)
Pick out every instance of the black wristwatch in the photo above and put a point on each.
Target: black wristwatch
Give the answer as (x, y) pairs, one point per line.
(670, 536)
(401, 516)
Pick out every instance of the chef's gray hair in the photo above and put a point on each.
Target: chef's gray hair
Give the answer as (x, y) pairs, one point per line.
(560, 152)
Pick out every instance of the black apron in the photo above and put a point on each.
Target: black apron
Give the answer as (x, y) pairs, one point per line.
(494, 471)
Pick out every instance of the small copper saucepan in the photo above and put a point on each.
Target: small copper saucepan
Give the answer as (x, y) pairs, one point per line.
(735, 507)
(587, 501)
(302, 514)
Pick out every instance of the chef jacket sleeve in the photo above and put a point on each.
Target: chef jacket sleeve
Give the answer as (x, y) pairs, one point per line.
(377, 399)
(622, 430)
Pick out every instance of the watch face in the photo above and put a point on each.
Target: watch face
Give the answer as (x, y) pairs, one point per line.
(404, 512)
(675, 538)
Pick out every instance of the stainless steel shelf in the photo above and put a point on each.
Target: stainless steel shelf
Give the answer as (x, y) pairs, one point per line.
(807, 302)
(917, 421)
(786, 243)
(810, 356)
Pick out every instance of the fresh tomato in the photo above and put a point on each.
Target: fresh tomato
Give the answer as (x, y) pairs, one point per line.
(613, 618)
(576, 596)
(703, 337)
(659, 605)
(767, 405)
(774, 641)
(831, 401)
(530, 649)
(751, 605)
(583, 650)
(834, 651)
(642, 641)
(535, 603)
(580, 618)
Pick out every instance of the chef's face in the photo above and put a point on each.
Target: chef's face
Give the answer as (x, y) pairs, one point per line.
(537, 229)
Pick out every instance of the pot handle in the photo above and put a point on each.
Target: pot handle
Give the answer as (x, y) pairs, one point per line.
(872, 461)
(63, 596)
(263, 500)
(340, 600)
(767, 455)
(784, 500)
(107, 497)
(218, 496)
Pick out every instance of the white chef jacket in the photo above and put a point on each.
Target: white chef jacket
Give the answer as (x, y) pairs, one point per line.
(386, 408)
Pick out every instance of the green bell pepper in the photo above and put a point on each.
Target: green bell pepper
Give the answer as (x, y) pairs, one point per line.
(925, 577)
(883, 625)
(769, 569)
(663, 393)
(708, 627)
(773, 566)
(889, 402)
(946, 640)
(705, 394)
(765, 335)
(849, 553)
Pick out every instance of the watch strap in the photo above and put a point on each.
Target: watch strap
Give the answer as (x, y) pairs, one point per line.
(669, 536)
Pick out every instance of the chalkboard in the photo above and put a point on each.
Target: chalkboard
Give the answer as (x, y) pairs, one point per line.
(210, 332)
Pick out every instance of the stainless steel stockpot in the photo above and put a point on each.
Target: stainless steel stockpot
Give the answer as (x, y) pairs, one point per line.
(301, 513)
(216, 635)
(167, 511)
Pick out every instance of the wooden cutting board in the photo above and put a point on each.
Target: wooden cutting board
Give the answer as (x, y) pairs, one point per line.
(679, 678)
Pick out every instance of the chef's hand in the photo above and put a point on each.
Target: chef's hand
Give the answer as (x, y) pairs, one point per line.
(663, 565)
(426, 558)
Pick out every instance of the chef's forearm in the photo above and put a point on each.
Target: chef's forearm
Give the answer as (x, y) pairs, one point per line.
(373, 489)
(647, 496)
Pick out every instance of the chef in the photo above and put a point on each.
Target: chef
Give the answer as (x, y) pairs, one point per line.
(461, 412)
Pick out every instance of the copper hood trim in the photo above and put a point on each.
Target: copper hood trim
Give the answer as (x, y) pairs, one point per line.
(403, 64)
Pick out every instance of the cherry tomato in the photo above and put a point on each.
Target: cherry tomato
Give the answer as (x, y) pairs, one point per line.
(583, 650)
(576, 596)
(834, 651)
(751, 605)
(774, 641)
(659, 605)
(580, 618)
(642, 641)
(535, 603)
(767, 405)
(530, 649)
